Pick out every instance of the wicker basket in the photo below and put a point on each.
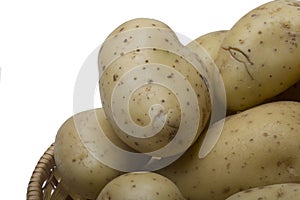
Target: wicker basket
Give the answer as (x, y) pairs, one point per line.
(44, 182)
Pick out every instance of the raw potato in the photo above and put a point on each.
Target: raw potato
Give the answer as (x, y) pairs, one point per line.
(211, 42)
(80, 171)
(149, 92)
(259, 57)
(286, 191)
(257, 147)
(140, 186)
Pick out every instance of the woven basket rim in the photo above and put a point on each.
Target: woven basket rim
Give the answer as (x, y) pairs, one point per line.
(41, 174)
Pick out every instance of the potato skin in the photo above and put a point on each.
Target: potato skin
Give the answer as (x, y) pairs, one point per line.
(80, 171)
(290, 191)
(140, 185)
(259, 57)
(160, 83)
(257, 147)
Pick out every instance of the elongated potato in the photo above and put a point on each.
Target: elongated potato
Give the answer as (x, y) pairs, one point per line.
(285, 191)
(139, 186)
(81, 172)
(211, 42)
(259, 57)
(259, 146)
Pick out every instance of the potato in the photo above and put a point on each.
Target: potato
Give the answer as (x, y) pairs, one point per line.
(140, 185)
(285, 191)
(77, 160)
(259, 56)
(211, 42)
(155, 97)
(257, 147)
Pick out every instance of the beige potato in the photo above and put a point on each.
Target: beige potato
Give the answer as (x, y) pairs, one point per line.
(257, 147)
(285, 191)
(259, 57)
(81, 172)
(139, 186)
(153, 92)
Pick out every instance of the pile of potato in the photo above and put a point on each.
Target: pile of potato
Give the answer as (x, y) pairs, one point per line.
(160, 100)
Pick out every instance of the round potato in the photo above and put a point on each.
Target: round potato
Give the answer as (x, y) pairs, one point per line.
(140, 185)
(77, 162)
(257, 147)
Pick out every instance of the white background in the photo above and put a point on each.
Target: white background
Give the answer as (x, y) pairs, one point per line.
(43, 45)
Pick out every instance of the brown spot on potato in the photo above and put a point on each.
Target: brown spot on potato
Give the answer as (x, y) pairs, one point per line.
(115, 77)
(228, 166)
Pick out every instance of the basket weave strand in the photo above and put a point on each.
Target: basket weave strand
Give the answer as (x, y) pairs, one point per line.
(42, 182)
